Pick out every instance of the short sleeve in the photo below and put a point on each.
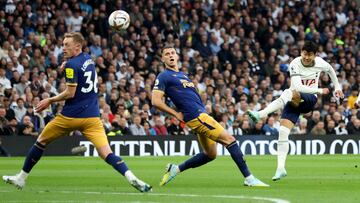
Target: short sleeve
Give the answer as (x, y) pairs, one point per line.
(160, 83)
(71, 74)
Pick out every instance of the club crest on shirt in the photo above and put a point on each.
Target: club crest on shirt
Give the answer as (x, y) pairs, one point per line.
(69, 73)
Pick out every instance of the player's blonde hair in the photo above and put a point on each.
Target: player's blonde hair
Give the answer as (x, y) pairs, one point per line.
(76, 36)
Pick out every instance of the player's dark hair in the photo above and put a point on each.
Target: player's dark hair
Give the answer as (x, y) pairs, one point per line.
(76, 36)
(167, 46)
(310, 46)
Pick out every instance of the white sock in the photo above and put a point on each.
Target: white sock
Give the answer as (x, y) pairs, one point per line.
(282, 147)
(249, 177)
(277, 104)
(130, 176)
(23, 175)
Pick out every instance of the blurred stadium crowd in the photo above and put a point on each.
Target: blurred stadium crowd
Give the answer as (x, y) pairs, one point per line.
(236, 52)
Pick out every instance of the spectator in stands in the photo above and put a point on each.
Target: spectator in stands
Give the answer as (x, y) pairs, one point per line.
(353, 127)
(341, 128)
(315, 118)
(330, 127)
(136, 128)
(245, 127)
(159, 127)
(352, 98)
(125, 130)
(4, 81)
(10, 114)
(148, 129)
(302, 128)
(269, 128)
(13, 127)
(23, 83)
(27, 127)
(20, 109)
(258, 129)
(318, 129)
(236, 130)
(4, 130)
(36, 119)
(175, 128)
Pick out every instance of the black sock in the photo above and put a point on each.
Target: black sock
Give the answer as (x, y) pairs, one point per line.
(33, 156)
(237, 156)
(195, 161)
(117, 163)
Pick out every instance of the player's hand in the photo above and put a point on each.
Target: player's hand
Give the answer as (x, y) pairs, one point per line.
(339, 94)
(43, 104)
(179, 116)
(325, 91)
(62, 67)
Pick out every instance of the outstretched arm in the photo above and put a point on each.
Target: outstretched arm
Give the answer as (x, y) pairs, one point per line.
(68, 93)
(335, 81)
(157, 101)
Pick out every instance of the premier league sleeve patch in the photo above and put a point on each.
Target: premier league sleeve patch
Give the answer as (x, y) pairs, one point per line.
(69, 73)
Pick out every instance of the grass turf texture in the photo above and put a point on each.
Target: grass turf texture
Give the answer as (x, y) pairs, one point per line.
(326, 178)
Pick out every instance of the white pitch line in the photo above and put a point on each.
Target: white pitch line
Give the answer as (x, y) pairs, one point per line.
(269, 199)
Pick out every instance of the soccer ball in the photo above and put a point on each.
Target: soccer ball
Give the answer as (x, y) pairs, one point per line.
(119, 20)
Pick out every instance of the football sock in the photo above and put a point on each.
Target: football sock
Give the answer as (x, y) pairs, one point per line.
(283, 146)
(117, 163)
(277, 104)
(33, 156)
(129, 175)
(237, 156)
(195, 161)
(23, 175)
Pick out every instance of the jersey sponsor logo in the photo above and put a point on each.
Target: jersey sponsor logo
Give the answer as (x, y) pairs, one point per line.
(186, 83)
(69, 73)
(308, 82)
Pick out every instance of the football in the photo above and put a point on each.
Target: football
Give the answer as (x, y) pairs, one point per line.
(119, 20)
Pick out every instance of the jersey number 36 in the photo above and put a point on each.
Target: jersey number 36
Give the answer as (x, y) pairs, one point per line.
(91, 84)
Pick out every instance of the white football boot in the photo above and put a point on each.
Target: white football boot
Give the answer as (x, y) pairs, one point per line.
(15, 180)
(279, 174)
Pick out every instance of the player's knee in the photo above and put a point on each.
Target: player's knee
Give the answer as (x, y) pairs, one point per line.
(225, 138)
(286, 96)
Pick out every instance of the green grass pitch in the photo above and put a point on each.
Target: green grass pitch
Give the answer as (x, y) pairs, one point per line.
(326, 178)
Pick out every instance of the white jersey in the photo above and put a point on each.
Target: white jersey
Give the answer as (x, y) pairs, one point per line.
(309, 75)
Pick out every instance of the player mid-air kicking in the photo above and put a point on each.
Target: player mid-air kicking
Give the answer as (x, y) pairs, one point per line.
(300, 98)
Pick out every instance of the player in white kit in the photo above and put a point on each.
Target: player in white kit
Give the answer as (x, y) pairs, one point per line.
(300, 98)
(357, 103)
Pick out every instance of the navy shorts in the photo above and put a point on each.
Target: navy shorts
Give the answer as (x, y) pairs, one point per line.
(306, 105)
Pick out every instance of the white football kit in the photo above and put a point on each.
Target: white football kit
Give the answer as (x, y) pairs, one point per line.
(308, 80)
